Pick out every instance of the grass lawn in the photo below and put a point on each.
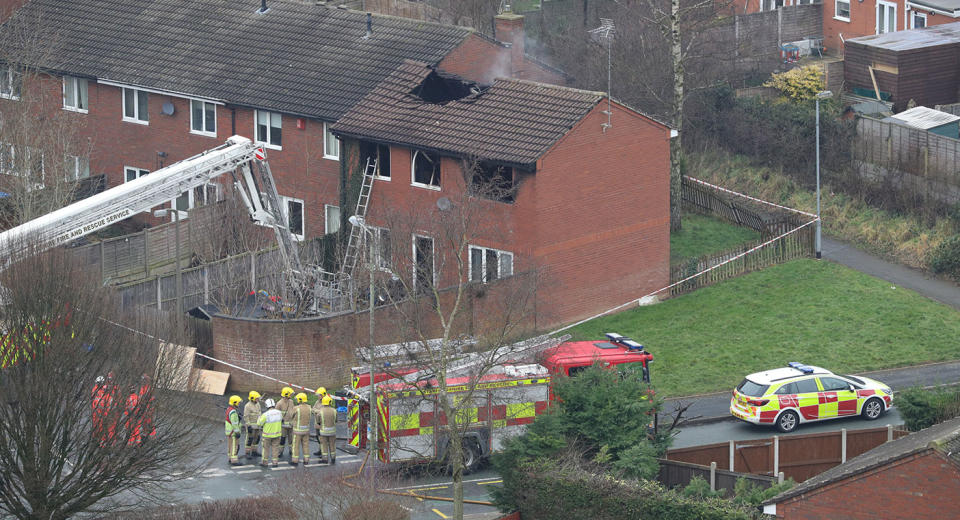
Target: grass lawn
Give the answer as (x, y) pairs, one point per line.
(704, 235)
(815, 312)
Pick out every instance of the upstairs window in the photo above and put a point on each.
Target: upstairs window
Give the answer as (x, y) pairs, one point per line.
(842, 10)
(494, 182)
(331, 145)
(135, 106)
(425, 169)
(10, 82)
(74, 94)
(293, 210)
(379, 153)
(487, 265)
(269, 129)
(130, 173)
(203, 118)
(77, 168)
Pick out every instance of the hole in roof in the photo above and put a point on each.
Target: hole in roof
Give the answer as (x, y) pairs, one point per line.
(440, 88)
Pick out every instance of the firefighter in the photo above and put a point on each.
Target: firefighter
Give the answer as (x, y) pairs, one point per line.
(251, 414)
(271, 422)
(285, 406)
(232, 430)
(133, 418)
(321, 392)
(328, 430)
(100, 407)
(300, 422)
(145, 398)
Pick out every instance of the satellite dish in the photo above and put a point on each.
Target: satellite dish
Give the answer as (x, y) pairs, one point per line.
(444, 204)
(167, 109)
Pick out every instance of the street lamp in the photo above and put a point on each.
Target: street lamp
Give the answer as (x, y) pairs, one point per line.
(356, 220)
(161, 213)
(824, 94)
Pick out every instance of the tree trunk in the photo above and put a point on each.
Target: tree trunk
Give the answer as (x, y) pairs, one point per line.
(676, 150)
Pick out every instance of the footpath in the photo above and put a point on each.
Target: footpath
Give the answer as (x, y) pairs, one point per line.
(716, 407)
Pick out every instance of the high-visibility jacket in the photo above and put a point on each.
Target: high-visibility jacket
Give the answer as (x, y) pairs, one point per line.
(317, 406)
(328, 421)
(232, 421)
(146, 400)
(251, 413)
(272, 423)
(285, 407)
(300, 418)
(133, 420)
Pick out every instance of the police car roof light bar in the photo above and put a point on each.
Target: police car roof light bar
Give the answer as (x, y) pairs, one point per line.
(801, 367)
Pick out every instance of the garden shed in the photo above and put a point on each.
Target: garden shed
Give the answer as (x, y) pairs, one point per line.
(923, 118)
(919, 64)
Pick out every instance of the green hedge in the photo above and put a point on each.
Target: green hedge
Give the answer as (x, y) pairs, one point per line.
(924, 407)
(553, 490)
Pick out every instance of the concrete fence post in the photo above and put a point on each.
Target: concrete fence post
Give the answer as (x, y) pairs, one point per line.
(843, 445)
(731, 455)
(146, 253)
(776, 454)
(780, 478)
(889, 432)
(253, 271)
(206, 285)
(713, 476)
(159, 299)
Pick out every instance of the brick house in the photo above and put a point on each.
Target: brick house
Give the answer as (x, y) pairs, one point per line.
(916, 477)
(151, 82)
(584, 202)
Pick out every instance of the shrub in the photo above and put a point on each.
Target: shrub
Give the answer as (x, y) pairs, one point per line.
(945, 258)
(922, 408)
(749, 493)
(699, 488)
(799, 84)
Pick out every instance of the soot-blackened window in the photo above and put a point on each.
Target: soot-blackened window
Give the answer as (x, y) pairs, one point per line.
(379, 152)
(493, 181)
(426, 169)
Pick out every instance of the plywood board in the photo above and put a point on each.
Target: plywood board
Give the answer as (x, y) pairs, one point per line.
(174, 366)
(211, 382)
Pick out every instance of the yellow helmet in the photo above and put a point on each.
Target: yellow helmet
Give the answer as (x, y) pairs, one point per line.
(301, 397)
(327, 400)
(254, 395)
(321, 391)
(286, 392)
(235, 400)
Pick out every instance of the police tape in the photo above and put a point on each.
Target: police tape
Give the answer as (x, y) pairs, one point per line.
(674, 284)
(231, 365)
(748, 197)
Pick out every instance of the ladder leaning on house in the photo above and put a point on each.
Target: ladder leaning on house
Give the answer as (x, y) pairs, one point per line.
(356, 232)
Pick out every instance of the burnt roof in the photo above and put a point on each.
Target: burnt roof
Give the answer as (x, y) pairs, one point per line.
(296, 58)
(943, 437)
(512, 121)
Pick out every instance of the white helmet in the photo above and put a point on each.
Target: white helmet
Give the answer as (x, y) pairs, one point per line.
(100, 379)
(270, 403)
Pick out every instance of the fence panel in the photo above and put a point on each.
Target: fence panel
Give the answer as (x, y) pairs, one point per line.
(678, 474)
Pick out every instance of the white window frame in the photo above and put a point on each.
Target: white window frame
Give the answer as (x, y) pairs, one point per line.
(433, 259)
(256, 136)
(377, 256)
(836, 10)
(917, 14)
(73, 172)
(483, 266)
(80, 88)
(881, 4)
(330, 225)
(140, 172)
(285, 201)
(13, 82)
(203, 123)
(413, 171)
(140, 119)
(333, 155)
(192, 199)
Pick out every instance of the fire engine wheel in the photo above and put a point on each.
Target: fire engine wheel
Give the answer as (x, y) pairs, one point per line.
(872, 409)
(471, 457)
(788, 421)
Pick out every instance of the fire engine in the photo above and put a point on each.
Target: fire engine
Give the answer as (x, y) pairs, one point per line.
(412, 428)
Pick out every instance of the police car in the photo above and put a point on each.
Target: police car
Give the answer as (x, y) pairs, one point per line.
(798, 393)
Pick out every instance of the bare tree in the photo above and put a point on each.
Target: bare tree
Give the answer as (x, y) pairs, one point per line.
(68, 443)
(42, 156)
(439, 302)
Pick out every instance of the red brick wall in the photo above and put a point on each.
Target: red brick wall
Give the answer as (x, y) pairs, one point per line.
(600, 223)
(479, 59)
(923, 486)
(863, 22)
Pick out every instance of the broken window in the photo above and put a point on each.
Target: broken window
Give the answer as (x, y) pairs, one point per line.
(440, 88)
(423, 264)
(493, 181)
(426, 169)
(378, 152)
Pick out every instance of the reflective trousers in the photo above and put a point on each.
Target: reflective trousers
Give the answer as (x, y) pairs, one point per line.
(328, 446)
(253, 439)
(300, 446)
(270, 451)
(233, 447)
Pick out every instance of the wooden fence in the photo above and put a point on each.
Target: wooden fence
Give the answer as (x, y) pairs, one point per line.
(797, 243)
(798, 456)
(674, 473)
(909, 159)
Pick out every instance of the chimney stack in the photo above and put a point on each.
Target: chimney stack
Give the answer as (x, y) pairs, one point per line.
(508, 28)
(369, 25)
